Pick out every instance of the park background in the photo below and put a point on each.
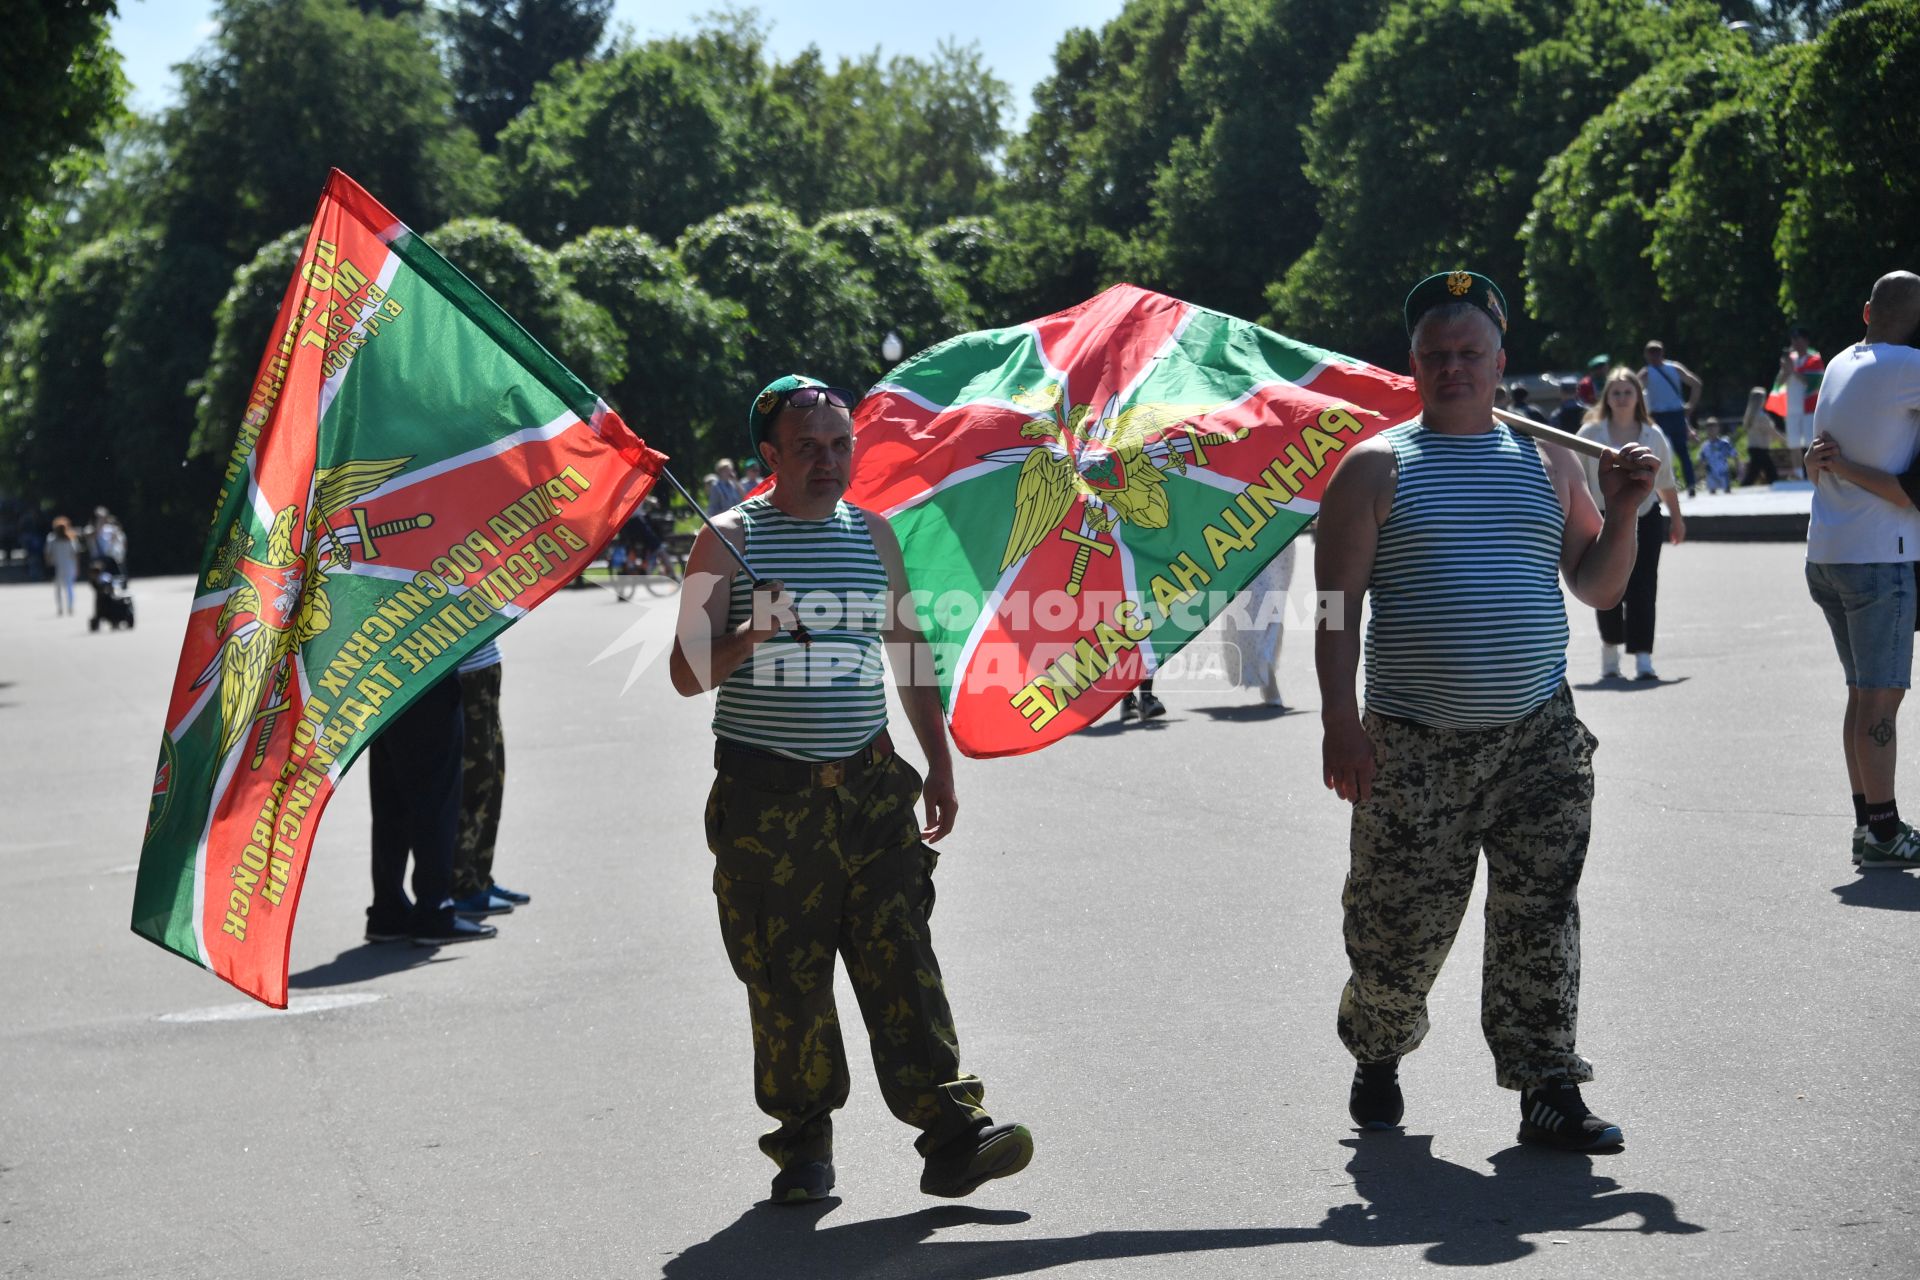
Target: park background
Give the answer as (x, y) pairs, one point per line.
(679, 216)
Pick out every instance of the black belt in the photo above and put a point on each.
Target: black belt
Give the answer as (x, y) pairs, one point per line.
(785, 774)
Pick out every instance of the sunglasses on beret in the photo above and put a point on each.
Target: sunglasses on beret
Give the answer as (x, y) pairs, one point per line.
(807, 397)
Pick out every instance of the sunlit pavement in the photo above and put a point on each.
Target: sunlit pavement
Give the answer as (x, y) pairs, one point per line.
(1140, 932)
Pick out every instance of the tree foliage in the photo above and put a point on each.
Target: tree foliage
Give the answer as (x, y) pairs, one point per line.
(501, 50)
(60, 92)
(1421, 168)
(808, 309)
(1852, 129)
(1592, 284)
(685, 380)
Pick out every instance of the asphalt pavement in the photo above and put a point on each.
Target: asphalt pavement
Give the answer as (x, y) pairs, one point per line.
(1140, 931)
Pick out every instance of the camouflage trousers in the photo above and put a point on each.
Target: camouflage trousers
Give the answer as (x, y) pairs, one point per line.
(803, 872)
(1523, 793)
(484, 781)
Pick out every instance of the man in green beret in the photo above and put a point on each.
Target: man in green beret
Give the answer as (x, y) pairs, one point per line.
(1461, 530)
(811, 819)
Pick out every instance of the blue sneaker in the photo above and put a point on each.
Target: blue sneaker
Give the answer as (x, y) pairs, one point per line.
(501, 891)
(483, 903)
(1901, 851)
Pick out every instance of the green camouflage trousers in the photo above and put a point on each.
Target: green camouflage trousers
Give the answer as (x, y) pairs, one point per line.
(1523, 793)
(803, 874)
(483, 781)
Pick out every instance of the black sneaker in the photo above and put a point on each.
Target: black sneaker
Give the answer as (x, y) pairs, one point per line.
(382, 933)
(450, 929)
(1129, 708)
(803, 1182)
(1555, 1116)
(1374, 1101)
(1151, 707)
(989, 1152)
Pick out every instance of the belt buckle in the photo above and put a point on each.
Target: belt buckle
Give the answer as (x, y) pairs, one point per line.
(832, 774)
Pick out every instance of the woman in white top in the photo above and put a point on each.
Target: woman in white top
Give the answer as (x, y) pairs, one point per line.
(1621, 418)
(63, 557)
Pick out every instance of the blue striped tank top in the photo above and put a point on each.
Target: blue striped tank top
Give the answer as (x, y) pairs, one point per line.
(1469, 629)
(827, 701)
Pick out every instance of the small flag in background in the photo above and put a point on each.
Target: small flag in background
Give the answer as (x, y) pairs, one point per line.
(413, 473)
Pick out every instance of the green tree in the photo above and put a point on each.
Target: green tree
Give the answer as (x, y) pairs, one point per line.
(919, 299)
(1167, 148)
(1714, 228)
(1852, 130)
(977, 251)
(642, 139)
(243, 328)
(911, 136)
(527, 281)
(60, 92)
(501, 49)
(1427, 142)
(289, 88)
(685, 384)
(808, 309)
(1591, 284)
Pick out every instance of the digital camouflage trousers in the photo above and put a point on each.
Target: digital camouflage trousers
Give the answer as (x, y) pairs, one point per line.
(1523, 793)
(802, 874)
(483, 781)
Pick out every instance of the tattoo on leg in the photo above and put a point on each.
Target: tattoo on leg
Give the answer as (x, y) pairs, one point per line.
(1882, 733)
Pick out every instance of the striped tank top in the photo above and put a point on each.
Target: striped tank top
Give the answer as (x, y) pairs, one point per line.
(827, 701)
(1469, 629)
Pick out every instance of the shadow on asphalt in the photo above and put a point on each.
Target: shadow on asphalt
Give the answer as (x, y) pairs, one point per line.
(1408, 1196)
(360, 964)
(1621, 684)
(1471, 1219)
(1884, 887)
(1245, 712)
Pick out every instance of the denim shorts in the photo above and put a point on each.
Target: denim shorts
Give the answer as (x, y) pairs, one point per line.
(1869, 608)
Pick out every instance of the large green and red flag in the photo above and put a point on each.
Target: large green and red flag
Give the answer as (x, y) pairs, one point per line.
(1078, 496)
(413, 473)
(1811, 369)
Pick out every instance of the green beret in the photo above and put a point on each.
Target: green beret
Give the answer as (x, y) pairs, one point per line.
(766, 405)
(1456, 286)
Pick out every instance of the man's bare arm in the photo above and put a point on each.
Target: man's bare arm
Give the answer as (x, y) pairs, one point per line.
(914, 677)
(1597, 549)
(1346, 536)
(705, 652)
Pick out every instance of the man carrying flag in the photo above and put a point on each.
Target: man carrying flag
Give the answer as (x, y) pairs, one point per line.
(1460, 530)
(811, 817)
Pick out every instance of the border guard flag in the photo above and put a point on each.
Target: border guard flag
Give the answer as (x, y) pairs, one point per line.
(413, 473)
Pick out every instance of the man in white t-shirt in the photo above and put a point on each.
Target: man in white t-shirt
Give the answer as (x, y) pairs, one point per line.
(1860, 552)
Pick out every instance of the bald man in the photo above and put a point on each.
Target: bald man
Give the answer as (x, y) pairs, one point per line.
(1861, 546)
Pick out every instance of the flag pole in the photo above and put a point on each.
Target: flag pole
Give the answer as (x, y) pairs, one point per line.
(1551, 435)
(799, 629)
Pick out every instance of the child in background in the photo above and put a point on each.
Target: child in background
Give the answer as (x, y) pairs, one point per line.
(1718, 455)
(1761, 437)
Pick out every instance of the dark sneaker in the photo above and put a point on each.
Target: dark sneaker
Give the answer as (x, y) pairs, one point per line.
(800, 1183)
(452, 928)
(384, 933)
(989, 1152)
(1374, 1101)
(1151, 707)
(1554, 1116)
(484, 903)
(1901, 851)
(501, 891)
(1859, 844)
(1129, 708)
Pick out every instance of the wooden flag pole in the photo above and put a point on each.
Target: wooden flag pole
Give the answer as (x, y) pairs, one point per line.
(1551, 435)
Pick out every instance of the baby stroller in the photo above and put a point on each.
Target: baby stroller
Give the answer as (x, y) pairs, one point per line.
(112, 602)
